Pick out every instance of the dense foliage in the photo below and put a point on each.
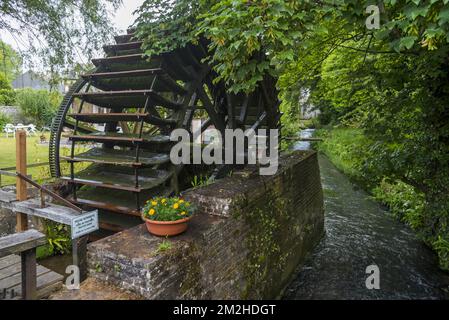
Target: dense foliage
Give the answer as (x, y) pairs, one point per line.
(40, 106)
(400, 103)
(9, 68)
(247, 39)
(4, 83)
(4, 119)
(10, 62)
(58, 238)
(7, 94)
(7, 97)
(389, 83)
(250, 38)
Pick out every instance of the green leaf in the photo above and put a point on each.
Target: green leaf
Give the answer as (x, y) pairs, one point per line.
(414, 12)
(407, 42)
(443, 16)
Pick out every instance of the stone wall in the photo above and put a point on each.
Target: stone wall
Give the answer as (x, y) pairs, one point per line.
(247, 239)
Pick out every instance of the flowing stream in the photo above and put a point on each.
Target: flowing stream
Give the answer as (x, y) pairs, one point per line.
(360, 233)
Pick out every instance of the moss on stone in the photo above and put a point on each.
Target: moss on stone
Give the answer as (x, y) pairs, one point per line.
(190, 285)
(267, 222)
(186, 258)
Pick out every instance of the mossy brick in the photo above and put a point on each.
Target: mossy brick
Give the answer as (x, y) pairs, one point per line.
(246, 241)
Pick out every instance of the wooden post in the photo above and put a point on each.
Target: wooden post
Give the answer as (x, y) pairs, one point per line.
(29, 274)
(21, 185)
(79, 255)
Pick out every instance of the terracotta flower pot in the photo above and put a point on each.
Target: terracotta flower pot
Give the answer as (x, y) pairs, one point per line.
(167, 228)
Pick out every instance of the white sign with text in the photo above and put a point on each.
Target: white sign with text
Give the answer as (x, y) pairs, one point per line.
(84, 224)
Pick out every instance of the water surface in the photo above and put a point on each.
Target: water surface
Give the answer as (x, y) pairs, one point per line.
(359, 233)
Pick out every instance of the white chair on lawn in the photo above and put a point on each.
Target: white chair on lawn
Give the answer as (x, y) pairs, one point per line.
(9, 128)
(31, 130)
(45, 129)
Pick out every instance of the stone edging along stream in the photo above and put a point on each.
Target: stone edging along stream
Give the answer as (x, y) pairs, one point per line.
(246, 241)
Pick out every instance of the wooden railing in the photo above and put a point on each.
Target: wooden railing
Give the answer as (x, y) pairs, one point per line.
(11, 171)
(24, 207)
(43, 190)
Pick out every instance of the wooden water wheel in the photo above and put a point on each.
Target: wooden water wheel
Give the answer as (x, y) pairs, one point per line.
(118, 119)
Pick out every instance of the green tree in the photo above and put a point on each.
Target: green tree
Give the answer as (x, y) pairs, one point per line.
(38, 105)
(7, 94)
(10, 62)
(398, 96)
(250, 38)
(391, 82)
(4, 83)
(247, 38)
(58, 32)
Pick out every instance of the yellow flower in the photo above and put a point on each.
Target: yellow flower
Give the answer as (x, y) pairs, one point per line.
(176, 206)
(183, 213)
(164, 200)
(181, 201)
(152, 212)
(154, 203)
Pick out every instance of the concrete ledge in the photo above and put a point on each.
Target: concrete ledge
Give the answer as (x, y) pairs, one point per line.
(249, 236)
(223, 198)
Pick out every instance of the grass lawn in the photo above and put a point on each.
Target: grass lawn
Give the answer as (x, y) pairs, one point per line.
(36, 153)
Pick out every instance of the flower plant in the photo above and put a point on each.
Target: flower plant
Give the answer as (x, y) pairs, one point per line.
(167, 209)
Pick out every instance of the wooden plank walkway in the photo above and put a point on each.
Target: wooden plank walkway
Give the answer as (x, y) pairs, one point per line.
(11, 278)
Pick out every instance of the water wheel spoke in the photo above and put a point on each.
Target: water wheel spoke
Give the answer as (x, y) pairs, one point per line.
(120, 178)
(121, 137)
(119, 157)
(126, 99)
(124, 38)
(146, 98)
(113, 49)
(116, 117)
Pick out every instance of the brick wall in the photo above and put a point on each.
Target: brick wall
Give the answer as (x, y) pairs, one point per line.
(247, 239)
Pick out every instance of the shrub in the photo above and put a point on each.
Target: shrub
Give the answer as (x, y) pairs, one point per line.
(38, 105)
(7, 97)
(58, 238)
(4, 83)
(403, 201)
(441, 246)
(4, 119)
(347, 148)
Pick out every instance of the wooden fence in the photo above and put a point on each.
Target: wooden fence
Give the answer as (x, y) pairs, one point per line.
(11, 171)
